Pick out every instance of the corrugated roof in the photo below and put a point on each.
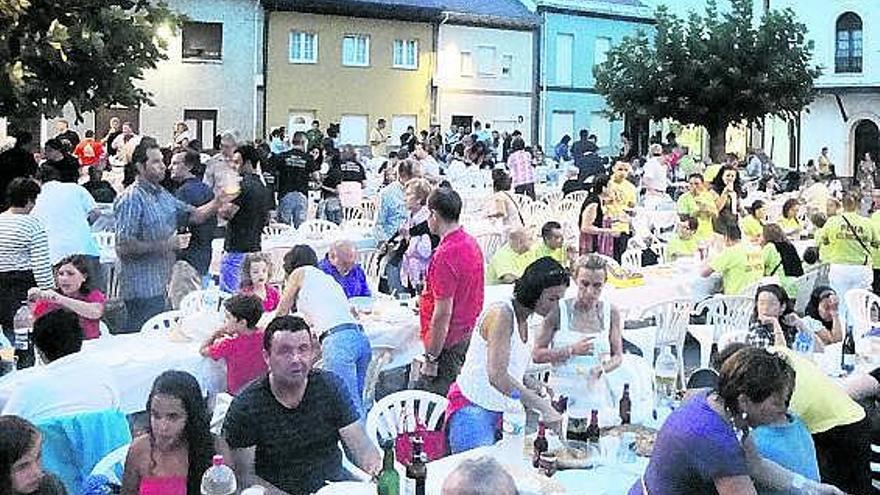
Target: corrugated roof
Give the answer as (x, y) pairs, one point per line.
(499, 12)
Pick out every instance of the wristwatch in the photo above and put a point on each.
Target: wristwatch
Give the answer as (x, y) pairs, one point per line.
(431, 358)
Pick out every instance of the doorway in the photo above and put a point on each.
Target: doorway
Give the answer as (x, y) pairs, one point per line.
(867, 140)
(465, 121)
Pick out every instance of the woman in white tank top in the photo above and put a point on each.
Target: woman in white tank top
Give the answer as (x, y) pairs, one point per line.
(322, 302)
(497, 359)
(582, 339)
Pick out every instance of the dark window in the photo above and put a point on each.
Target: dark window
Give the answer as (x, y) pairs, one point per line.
(203, 40)
(848, 44)
(202, 125)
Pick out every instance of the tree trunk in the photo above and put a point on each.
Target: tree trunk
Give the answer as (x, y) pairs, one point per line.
(717, 141)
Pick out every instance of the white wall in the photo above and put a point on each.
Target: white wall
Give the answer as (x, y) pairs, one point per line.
(824, 126)
(502, 112)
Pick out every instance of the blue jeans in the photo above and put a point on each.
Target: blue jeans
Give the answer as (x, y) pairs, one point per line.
(293, 208)
(331, 210)
(393, 274)
(471, 427)
(230, 272)
(140, 310)
(347, 353)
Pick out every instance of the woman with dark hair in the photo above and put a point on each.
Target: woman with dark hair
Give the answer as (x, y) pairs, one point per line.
(781, 258)
(705, 447)
(24, 250)
(561, 151)
(521, 171)
(503, 208)
(789, 222)
(822, 315)
(174, 453)
(21, 472)
(582, 333)
(494, 368)
(320, 298)
(752, 225)
(774, 322)
(592, 221)
(75, 292)
(728, 186)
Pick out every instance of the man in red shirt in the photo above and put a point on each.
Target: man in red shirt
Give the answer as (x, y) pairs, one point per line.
(88, 150)
(453, 295)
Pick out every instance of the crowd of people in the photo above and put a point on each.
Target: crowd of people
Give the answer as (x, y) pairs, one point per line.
(771, 421)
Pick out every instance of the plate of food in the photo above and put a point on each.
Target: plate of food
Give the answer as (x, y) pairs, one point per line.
(576, 455)
(645, 437)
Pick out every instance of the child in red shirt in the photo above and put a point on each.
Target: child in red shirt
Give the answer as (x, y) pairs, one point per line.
(75, 292)
(239, 342)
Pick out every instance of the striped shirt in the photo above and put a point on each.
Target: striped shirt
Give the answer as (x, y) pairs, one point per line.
(24, 246)
(146, 212)
(520, 165)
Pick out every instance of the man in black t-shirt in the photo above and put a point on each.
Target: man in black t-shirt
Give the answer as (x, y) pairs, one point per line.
(284, 429)
(248, 213)
(15, 162)
(346, 170)
(293, 170)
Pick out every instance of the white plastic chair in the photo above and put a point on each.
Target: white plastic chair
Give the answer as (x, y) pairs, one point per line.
(105, 240)
(671, 320)
(859, 303)
(370, 263)
(568, 209)
(359, 225)
(805, 284)
(397, 413)
(195, 301)
(731, 337)
(162, 322)
(489, 243)
(552, 197)
(577, 196)
(277, 229)
(112, 465)
(521, 200)
(351, 213)
(382, 355)
(631, 259)
(369, 208)
(316, 228)
(726, 314)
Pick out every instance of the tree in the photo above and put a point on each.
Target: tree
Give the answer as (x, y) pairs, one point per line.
(712, 70)
(84, 52)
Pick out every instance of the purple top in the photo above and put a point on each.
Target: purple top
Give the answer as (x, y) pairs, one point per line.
(354, 283)
(694, 447)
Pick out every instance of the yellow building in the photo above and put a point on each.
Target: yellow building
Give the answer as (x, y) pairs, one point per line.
(353, 71)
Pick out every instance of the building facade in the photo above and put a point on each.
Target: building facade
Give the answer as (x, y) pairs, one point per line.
(485, 66)
(575, 37)
(349, 69)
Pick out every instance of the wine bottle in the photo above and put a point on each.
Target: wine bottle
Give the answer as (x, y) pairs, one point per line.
(848, 351)
(625, 406)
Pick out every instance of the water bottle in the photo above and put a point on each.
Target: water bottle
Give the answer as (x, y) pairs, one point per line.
(219, 479)
(804, 344)
(211, 299)
(514, 424)
(665, 373)
(22, 325)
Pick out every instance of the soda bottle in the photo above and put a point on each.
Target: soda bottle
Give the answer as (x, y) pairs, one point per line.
(593, 430)
(219, 479)
(389, 480)
(22, 325)
(625, 406)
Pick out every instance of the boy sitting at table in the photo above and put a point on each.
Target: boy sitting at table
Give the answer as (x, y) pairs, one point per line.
(684, 242)
(239, 342)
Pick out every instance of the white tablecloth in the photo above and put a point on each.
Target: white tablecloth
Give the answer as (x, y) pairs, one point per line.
(396, 327)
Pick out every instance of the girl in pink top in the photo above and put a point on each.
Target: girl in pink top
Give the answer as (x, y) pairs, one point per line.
(255, 272)
(75, 293)
(239, 342)
(171, 457)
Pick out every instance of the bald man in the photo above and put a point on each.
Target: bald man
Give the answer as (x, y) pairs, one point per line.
(482, 476)
(341, 264)
(510, 261)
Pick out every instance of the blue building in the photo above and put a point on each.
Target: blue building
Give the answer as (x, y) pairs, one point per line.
(575, 36)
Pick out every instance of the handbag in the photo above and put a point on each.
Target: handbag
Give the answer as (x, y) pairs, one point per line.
(434, 442)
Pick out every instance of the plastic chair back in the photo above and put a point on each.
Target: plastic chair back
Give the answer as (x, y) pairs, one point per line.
(859, 303)
(397, 413)
(727, 313)
(162, 322)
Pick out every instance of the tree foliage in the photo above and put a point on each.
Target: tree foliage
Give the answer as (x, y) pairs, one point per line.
(85, 52)
(712, 69)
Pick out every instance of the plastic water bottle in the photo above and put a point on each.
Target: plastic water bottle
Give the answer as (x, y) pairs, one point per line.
(219, 479)
(211, 299)
(514, 424)
(665, 373)
(804, 343)
(22, 325)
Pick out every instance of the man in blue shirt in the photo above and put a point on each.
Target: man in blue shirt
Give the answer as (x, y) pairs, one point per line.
(341, 264)
(392, 208)
(187, 170)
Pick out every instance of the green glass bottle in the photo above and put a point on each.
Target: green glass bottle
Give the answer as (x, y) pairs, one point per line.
(389, 480)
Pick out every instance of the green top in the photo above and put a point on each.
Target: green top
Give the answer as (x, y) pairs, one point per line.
(751, 227)
(789, 225)
(740, 265)
(702, 207)
(506, 261)
(839, 245)
(541, 250)
(677, 247)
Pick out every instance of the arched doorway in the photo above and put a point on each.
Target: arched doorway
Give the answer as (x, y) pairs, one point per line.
(866, 140)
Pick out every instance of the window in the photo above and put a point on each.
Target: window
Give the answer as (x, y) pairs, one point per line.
(848, 52)
(467, 64)
(406, 54)
(303, 47)
(564, 47)
(601, 127)
(202, 40)
(486, 61)
(356, 50)
(600, 50)
(353, 130)
(202, 124)
(506, 65)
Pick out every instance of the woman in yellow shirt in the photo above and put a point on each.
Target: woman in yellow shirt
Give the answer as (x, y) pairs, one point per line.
(789, 221)
(752, 225)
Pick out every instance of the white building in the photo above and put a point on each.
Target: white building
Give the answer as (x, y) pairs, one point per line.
(212, 80)
(484, 70)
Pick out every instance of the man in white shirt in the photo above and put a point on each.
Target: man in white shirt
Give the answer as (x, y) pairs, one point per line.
(71, 383)
(430, 166)
(67, 210)
(379, 140)
(654, 175)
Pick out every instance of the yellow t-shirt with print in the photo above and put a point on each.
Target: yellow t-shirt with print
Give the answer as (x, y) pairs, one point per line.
(541, 250)
(839, 245)
(623, 195)
(789, 225)
(702, 207)
(740, 265)
(678, 247)
(506, 261)
(817, 399)
(751, 227)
